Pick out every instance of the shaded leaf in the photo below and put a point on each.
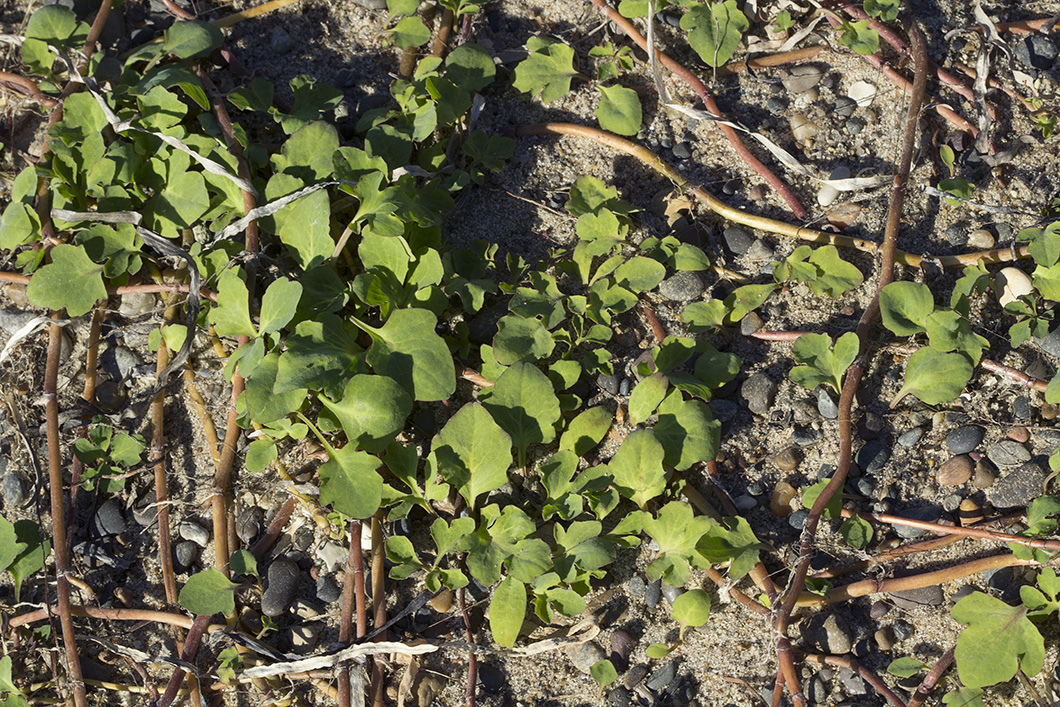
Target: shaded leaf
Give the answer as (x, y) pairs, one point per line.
(507, 610)
(473, 453)
(207, 593)
(349, 482)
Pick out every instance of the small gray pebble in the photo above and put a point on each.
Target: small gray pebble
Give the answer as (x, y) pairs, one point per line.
(964, 439)
(1036, 51)
(637, 585)
(248, 525)
(619, 697)
(622, 644)
(668, 18)
(879, 609)
(927, 513)
(608, 383)
(279, 41)
(751, 323)
(194, 532)
(136, 304)
(682, 286)
(854, 126)
(280, 587)
(826, 405)
(966, 590)
(1021, 408)
(873, 456)
(909, 438)
(185, 555)
(737, 240)
(730, 187)
(845, 106)
(1018, 487)
(916, 598)
(797, 520)
(371, 4)
(756, 488)
(852, 683)
(817, 691)
(1008, 453)
(903, 630)
(652, 594)
(800, 79)
(13, 490)
(951, 503)
(759, 392)
(760, 250)
(745, 502)
(662, 677)
(585, 655)
(825, 633)
(805, 436)
(145, 512)
(1050, 343)
(866, 487)
(328, 590)
(109, 519)
(671, 593)
(998, 579)
(682, 150)
(776, 105)
(119, 362)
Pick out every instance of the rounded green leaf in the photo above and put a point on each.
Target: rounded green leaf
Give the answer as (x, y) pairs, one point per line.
(905, 306)
(408, 349)
(372, 411)
(278, 305)
(687, 431)
(191, 39)
(472, 452)
(350, 483)
(934, 377)
(999, 640)
(638, 467)
(856, 531)
(507, 610)
(657, 650)
(586, 430)
(821, 364)
(716, 368)
(715, 30)
(640, 274)
(51, 23)
(520, 339)
(243, 562)
(208, 593)
(470, 67)
(604, 673)
(619, 110)
(411, 32)
(70, 280)
(646, 397)
(525, 406)
(692, 608)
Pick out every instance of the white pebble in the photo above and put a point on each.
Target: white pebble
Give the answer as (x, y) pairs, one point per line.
(863, 92)
(828, 193)
(1011, 284)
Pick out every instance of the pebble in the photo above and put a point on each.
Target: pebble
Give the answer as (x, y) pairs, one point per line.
(825, 633)
(248, 525)
(328, 590)
(803, 412)
(817, 691)
(745, 502)
(136, 305)
(652, 594)
(965, 591)
(776, 105)
(759, 391)
(885, 638)
(852, 683)
(854, 126)
(787, 459)
(916, 598)
(800, 79)
(862, 93)
(780, 502)
(622, 645)
(827, 194)
(1008, 453)
(145, 512)
(750, 324)
(635, 675)
(981, 239)
(619, 697)
(185, 555)
(637, 585)
(11, 320)
(756, 193)
(585, 655)
(873, 456)
(279, 41)
(194, 532)
(724, 410)
(663, 676)
(845, 106)
(608, 383)
(731, 187)
(110, 397)
(760, 250)
(871, 425)
(1050, 343)
(797, 520)
(805, 436)
(109, 518)
(827, 406)
(1049, 411)
(956, 471)
(927, 513)
(843, 215)
(1018, 487)
(1036, 51)
(682, 286)
(371, 4)
(281, 587)
(1021, 408)
(802, 128)
(985, 474)
(737, 240)
(964, 439)
(13, 490)
(969, 512)
(998, 579)
(1011, 284)
(865, 486)
(119, 362)
(1020, 434)
(903, 630)
(682, 150)
(909, 438)
(304, 637)
(879, 609)
(671, 593)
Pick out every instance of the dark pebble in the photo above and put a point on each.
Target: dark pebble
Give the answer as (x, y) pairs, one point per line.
(852, 683)
(854, 126)
(145, 512)
(1018, 487)
(281, 587)
(737, 240)
(965, 591)
(13, 490)
(652, 594)
(731, 187)
(185, 555)
(845, 106)
(635, 675)
(667, 18)
(724, 409)
(248, 525)
(492, 678)
(866, 486)
(927, 513)
(682, 286)
(909, 438)
(619, 697)
(903, 630)
(879, 609)
(915, 598)
(280, 42)
(817, 691)
(985, 474)
(109, 519)
(682, 150)
(797, 520)
(755, 488)
(622, 645)
(873, 456)
(609, 383)
(1008, 453)
(871, 426)
(777, 105)
(825, 633)
(637, 585)
(1036, 51)
(328, 590)
(805, 436)
(662, 677)
(1021, 408)
(671, 593)
(998, 579)
(119, 362)
(759, 391)
(826, 405)
(964, 439)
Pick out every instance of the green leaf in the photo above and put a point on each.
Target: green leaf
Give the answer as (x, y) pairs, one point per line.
(646, 397)
(410, 32)
(70, 280)
(181, 202)
(19, 225)
(519, 339)
(619, 110)
(304, 226)
(278, 305)
(949, 331)
(192, 39)
(603, 672)
(701, 316)
(207, 593)
(231, 315)
(747, 298)
(715, 368)
(656, 650)
(1041, 516)
(999, 641)
(861, 38)
(373, 409)
(687, 431)
(525, 406)
(586, 430)
(934, 377)
(692, 608)
(964, 697)
(507, 610)
(10, 548)
(470, 67)
(905, 667)
(7, 684)
(263, 404)
(349, 482)
(958, 186)
(640, 274)
(905, 306)
(311, 154)
(834, 275)
(637, 467)
(260, 453)
(255, 96)
(811, 493)
(161, 109)
(52, 23)
(547, 70)
(30, 560)
(243, 562)
(857, 532)
(473, 452)
(714, 30)
(677, 531)
(731, 541)
(321, 354)
(504, 537)
(884, 10)
(821, 364)
(408, 350)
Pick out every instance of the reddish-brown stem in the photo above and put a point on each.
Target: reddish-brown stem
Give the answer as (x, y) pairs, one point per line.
(20, 279)
(708, 100)
(770, 60)
(854, 666)
(177, 10)
(657, 328)
(88, 394)
(191, 647)
(931, 679)
(158, 456)
(378, 606)
(352, 595)
(1022, 26)
(472, 659)
(1018, 376)
(445, 28)
(26, 87)
(275, 529)
(962, 531)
